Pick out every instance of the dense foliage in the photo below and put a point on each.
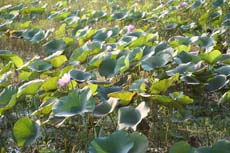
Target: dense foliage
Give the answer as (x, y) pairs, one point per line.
(141, 77)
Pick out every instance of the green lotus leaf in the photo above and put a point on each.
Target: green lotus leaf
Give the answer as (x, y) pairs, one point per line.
(102, 35)
(225, 98)
(107, 67)
(119, 15)
(161, 86)
(35, 35)
(105, 107)
(5, 79)
(3, 26)
(142, 40)
(225, 70)
(46, 107)
(7, 98)
(25, 131)
(95, 61)
(124, 96)
(7, 55)
(50, 84)
(181, 98)
(217, 3)
(222, 146)
(138, 86)
(118, 141)
(80, 76)
(104, 91)
(181, 69)
(204, 149)
(186, 57)
(122, 64)
(129, 117)
(152, 62)
(79, 54)
(40, 66)
(54, 46)
(226, 23)
(140, 143)
(205, 42)
(33, 10)
(216, 83)
(196, 4)
(190, 80)
(58, 61)
(29, 88)
(136, 54)
(182, 147)
(77, 102)
(211, 57)
(162, 99)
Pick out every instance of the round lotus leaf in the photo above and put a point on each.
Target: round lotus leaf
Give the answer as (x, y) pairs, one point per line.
(217, 3)
(107, 67)
(25, 131)
(216, 83)
(225, 70)
(140, 143)
(77, 102)
(79, 75)
(182, 147)
(181, 69)
(222, 146)
(54, 46)
(205, 42)
(119, 15)
(118, 142)
(105, 107)
(7, 98)
(40, 66)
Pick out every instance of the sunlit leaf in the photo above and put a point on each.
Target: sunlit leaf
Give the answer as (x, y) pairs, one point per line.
(25, 131)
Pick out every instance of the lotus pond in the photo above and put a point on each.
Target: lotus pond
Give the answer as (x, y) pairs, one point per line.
(114, 76)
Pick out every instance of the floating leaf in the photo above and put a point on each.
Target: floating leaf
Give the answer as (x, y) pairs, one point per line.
(77, 102)
(181, 98)
(58, 61)
(138, 86)
(104, 91)
(25, 131)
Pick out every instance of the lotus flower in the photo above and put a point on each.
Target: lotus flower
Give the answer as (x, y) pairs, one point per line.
(64, 80)
(130, 28)
(183, 4)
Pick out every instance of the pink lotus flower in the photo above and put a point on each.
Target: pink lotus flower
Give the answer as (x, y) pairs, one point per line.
(183, 4)
(130, 28)
(64, 80)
